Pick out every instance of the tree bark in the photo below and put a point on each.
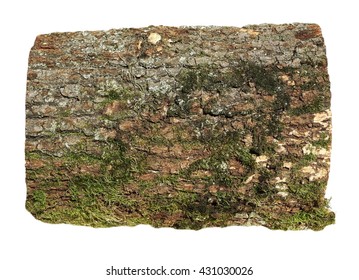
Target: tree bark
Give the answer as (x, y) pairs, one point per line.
(186, 127)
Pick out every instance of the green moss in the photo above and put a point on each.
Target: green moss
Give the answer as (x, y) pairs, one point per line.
(196, 211)
(324, 141)
(318, 104)
(260, 145)
(223, 149)
(91, 197)
(162, 204)
(37, 201)
(168, 179)
(210, 78)
(265, 188)
(311, 79)
(34, 155)
(310, 193)
(315, 219)
(92, 202)
(226, 200)
(307, 193)
(74, 158)
(135, 221)
(157, 140)
(129, 100)
(280, 105)
(64, 113)
(305, 160)
(265, 78)
(85, 216)
(199, 210)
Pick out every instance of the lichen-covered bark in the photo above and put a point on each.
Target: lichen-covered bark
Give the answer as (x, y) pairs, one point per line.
(186, 127)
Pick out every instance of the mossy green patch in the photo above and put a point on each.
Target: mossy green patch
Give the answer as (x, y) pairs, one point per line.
(324, 141)
(97, 216)
(315, 219)
(38, 199)
(209, 77)
(317, 105)
(90, 197)
(310, 193)
(223, 149)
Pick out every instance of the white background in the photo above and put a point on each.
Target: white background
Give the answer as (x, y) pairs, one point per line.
(33, 250)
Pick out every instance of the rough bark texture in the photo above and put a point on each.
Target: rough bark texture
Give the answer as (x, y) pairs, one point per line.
(180, 127)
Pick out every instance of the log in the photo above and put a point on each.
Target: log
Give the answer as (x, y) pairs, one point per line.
(183, 127)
